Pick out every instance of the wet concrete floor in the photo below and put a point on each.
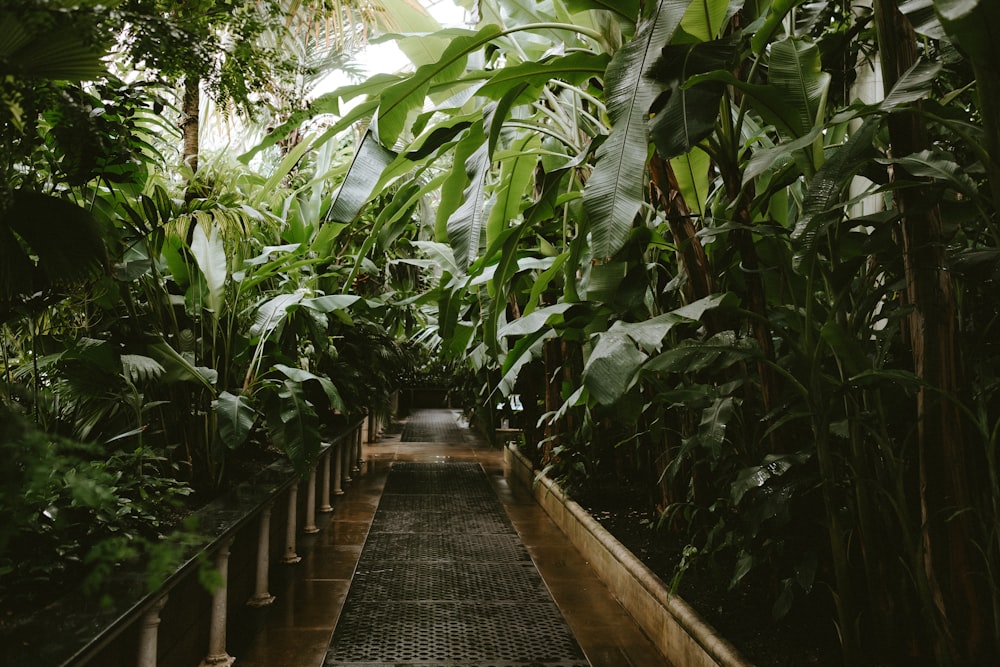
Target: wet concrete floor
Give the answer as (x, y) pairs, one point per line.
(297, 629)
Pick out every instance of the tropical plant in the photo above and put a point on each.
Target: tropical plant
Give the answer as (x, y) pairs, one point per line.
(734, 275)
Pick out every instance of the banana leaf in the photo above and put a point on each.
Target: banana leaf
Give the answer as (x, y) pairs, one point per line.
(210, 255)
(236, 416)
(370, 160)
(615, 191)
(398, 100)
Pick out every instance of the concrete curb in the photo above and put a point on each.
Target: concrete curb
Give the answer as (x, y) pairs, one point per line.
(673, 626)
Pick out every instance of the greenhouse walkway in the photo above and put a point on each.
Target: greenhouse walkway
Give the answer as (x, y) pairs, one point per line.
(431, 558)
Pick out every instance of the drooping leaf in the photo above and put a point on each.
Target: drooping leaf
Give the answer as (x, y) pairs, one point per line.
(272, 313)
(820, 210)
(330, 302)
(179, 369)
(612, 367)
(614, 192)
(293, 425)
(56, 52)
(687, 114)
(370, 160)
(531, 77)
(649, 334)
(794, 96)
(302, 376)
(64, 244)
(237, 417)
(940, 167)
(923, 18)
(535, 321)
(140, 368)
(718, 353)
(398, 100)
(516, 177)
(914, 85)
(973, 24)
(465, 224)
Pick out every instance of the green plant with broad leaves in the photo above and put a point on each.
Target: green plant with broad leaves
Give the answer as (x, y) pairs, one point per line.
(713, 267)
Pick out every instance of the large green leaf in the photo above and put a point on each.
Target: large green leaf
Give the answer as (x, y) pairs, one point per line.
(370, 160)
(398, 100)
(705, 19)
(650, 334)
(536, 321)
(210, 255)
(272, 313)
(692, 173)
(517, 170)
(773, 21)
(465, 224)
(47, 242)
(612, 367)
(237, 417)
(823, 203)
(716, 354)
(940, 167)
(973, 25)
(302, 376)
(293, 424)
(180, 369)
(614, 192)
(574, 68)
(413, 18)
(923, 18)
(687, 114)
(797, 86)
(794, 97)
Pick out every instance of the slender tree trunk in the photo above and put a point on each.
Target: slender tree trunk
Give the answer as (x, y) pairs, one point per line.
(948, 530)
(190, 110)
(689, 247)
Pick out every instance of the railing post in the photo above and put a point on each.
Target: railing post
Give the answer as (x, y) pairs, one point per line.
(148, 633)
(345, 454)
(338, 461)
(261, 597)
(217, 630)
(310, 526)
(293, 501)
(326, 506)
(357, 460)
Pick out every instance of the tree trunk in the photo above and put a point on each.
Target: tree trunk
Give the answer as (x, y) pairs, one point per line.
(948, 531)
(190, 110)
(689, 248)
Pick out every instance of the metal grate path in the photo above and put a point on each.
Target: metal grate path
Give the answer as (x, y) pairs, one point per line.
(433, 426)
(444, 581)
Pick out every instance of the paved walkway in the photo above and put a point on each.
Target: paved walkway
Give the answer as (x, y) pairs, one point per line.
(423, 566)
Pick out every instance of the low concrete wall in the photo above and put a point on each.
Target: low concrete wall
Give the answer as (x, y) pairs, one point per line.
(673, 626)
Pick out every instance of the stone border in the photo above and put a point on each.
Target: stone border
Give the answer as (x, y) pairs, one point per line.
(673, 626)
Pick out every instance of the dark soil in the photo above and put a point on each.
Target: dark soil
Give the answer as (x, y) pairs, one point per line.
(806, 636)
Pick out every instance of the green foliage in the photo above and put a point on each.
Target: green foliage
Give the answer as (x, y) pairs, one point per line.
(71, 512)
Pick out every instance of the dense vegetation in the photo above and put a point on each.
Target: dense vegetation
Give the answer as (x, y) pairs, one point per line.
(736, 255)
